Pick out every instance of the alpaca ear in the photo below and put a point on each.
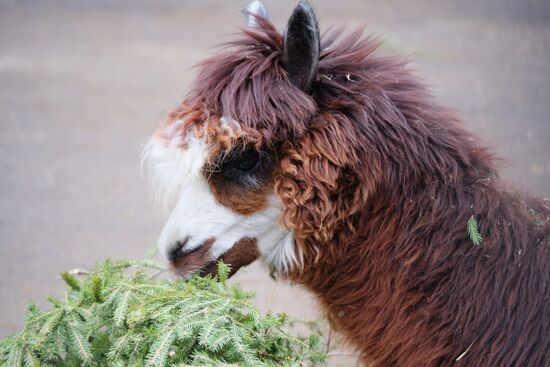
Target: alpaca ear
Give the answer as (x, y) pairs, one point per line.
(253, 10)
(302, 46)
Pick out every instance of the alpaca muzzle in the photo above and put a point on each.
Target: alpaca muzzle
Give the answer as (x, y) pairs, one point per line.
(185, 262)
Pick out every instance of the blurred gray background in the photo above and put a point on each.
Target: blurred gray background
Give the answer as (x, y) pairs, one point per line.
(84, 83)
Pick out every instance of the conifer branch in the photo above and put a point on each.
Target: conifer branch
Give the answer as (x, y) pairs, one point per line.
(119, 314)
(473, 231)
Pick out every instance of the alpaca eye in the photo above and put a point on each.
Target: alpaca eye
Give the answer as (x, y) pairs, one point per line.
(245, 166)
(248, 162)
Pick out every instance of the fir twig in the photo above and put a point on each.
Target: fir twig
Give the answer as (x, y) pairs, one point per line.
(70, 280)
(473, 231)
(118, 315)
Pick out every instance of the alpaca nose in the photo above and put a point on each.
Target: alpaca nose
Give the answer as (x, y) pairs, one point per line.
(177, 250)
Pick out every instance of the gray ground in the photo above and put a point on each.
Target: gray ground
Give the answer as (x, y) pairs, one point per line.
(83, 84)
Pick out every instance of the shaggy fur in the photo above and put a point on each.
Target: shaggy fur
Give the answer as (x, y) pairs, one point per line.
(378, 182)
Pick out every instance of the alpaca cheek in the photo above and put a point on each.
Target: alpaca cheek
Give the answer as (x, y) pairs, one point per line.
(238, 200)
(196, 219)
(243, 253)
(237, 239)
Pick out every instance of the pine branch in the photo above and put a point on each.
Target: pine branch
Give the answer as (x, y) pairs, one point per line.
(122, 308)
(70, 280)
(473, 231)
(80, 344)
(30, 359)
(120, 314)
(159, 350)
(15, 358)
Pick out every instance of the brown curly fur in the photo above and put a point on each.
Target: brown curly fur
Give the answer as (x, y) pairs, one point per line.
(378, 182)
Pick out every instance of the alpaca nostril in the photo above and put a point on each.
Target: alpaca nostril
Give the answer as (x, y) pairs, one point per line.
(176, 250)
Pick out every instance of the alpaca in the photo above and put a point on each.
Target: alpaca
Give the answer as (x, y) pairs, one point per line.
(335, 165)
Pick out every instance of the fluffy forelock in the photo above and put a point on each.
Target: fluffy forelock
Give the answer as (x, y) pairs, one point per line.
(247, 82)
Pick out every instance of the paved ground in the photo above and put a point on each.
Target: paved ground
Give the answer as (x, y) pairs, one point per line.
(82, 85)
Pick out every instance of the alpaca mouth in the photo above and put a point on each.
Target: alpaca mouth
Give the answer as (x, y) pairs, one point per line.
(185, 263)
(210, 268)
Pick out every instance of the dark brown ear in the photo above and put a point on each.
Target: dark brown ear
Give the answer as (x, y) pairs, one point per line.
(302, 46)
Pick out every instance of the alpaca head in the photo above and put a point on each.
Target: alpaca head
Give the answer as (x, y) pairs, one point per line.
(219, 159)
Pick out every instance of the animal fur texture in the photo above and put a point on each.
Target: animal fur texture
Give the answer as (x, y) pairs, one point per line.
(377, 182)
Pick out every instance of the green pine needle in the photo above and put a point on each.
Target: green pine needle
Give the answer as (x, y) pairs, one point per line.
(80, 343)
(70, 280)
(223, 271)
(121, 314)
(161, 347)
(473, 231)
(96, 286)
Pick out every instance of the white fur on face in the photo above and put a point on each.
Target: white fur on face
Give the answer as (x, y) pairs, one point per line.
(178, 181)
